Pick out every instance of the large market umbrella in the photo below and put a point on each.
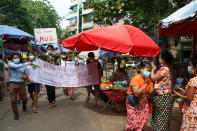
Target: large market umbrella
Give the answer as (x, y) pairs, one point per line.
(183, 22)
(12, 32)
(117, 38)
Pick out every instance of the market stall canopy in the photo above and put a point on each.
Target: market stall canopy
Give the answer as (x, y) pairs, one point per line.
(117, 38)
(183, 22)
(12, 32)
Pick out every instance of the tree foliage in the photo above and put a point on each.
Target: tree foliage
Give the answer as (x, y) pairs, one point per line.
(29, 14)
(140, 13)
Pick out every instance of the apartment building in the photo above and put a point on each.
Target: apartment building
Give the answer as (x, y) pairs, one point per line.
(86, 14)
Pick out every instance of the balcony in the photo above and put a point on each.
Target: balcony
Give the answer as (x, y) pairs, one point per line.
(73, 3)
(72, 16)
(87, 11)
(88, 25)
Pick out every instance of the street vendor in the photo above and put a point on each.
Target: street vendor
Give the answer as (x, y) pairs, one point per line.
(137, 102)
(118, 75)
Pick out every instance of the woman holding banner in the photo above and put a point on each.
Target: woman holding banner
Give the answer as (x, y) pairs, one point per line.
(52, 59)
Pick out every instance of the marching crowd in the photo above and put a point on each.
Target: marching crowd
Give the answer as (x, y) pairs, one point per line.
(17, 79)
(150, 81)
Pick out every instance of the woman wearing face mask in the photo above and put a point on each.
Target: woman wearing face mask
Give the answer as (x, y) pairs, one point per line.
(33, 88)
(163, 100)
(189, 122)
(137, 108)
(17, 84)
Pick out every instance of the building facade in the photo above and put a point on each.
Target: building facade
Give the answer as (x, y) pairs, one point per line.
(85, 14)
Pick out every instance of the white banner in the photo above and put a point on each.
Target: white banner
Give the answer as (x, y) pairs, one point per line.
(69, 76)
(45, 35)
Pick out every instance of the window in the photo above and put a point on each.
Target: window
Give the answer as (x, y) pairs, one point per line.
(74, 9)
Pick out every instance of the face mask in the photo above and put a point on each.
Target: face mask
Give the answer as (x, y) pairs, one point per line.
(31, 58)
(63, 57)
(16, 61)
(50, 52)
(24, 61)
(146, 73)
(190, 70)
(91, 60)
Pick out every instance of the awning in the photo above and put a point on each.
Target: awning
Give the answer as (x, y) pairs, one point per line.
(183, 22)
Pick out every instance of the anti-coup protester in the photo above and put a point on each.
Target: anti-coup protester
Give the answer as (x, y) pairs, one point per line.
(17, 84)
(33, 88)
(96, 87)
(52, 59)
(71, 63)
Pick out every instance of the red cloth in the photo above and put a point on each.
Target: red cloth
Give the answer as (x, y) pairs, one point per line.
(137, 115)
(16, 47)
(118, 95)
(117, 38)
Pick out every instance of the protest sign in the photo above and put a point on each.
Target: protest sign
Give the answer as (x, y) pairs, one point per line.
(45, 35)
(69, 76)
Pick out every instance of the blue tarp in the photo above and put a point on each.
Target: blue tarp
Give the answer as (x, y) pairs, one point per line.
(107, 54)
(13, 32)
(55, 45)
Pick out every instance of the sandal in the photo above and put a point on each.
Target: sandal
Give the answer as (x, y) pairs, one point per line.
(54, 104)
(124, 128)
(72, 98)
(87, 99)
(50, 105)
(35, 110)
(96, 105)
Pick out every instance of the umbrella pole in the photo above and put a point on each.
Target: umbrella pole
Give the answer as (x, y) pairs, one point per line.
(193, 43)
(112, 100)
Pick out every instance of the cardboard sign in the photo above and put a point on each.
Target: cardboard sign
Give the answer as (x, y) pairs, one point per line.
(45, 35)
(69, 76)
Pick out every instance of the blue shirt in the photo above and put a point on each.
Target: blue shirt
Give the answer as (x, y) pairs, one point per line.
(16, 72)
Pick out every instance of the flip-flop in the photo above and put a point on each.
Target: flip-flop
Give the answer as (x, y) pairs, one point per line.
(87, 99)
(54, 105)
(35, 111)
(123, 129)
(50, 105)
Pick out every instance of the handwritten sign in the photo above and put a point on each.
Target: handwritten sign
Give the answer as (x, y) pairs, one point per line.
(45, 35)
(69, 76)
